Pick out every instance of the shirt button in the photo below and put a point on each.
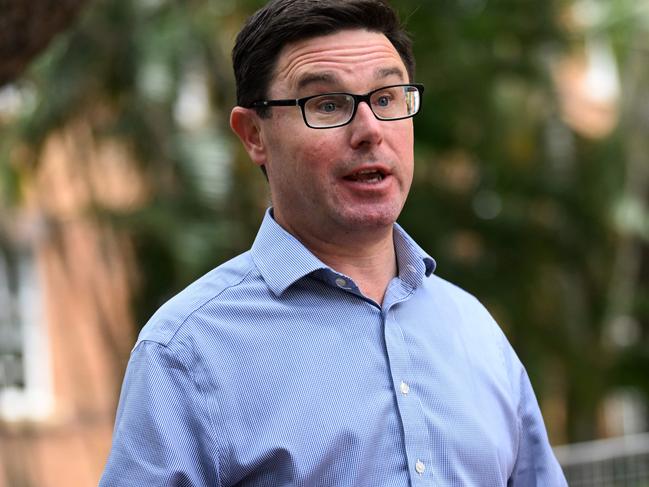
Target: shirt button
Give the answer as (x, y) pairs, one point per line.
(405, 388)
(420, 467)
(411, 268)
(340, 282)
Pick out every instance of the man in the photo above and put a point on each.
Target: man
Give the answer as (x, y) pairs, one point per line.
(329, 354)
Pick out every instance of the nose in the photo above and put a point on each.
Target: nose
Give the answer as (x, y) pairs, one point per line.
(365, 128)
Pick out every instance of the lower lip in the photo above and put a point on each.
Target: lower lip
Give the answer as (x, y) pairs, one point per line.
(372, 186)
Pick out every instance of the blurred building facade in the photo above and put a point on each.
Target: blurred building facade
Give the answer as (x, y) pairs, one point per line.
(65, 322)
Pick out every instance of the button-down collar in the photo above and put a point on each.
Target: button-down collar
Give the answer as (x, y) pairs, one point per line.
(282, 259)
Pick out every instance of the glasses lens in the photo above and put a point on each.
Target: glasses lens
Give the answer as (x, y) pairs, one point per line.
(395, 102)
(329, 110)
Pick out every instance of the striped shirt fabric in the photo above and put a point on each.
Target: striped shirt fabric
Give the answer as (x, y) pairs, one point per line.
(274, 370)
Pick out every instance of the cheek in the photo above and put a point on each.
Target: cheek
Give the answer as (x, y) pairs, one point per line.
(315, 154)
(402, 144)
(405, 138)
(298, 163)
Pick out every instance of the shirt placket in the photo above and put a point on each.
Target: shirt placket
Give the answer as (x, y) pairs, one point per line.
(416, 437)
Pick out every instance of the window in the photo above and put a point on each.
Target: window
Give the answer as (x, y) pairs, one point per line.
(25, 391)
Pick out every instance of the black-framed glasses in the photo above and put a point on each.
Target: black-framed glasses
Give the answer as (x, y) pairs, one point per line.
(329, 110)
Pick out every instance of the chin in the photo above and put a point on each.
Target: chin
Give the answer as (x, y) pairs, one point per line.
(370, 219)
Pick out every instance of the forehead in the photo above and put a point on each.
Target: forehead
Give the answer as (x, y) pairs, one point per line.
(344, 58)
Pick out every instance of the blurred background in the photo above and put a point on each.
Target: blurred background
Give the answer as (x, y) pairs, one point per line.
(120, 183)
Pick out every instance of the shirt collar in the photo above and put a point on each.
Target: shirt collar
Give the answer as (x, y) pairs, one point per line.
(283, 260)
(414, 263)
(280, 257)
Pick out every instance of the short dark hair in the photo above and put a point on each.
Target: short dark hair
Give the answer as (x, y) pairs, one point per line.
(282, 22)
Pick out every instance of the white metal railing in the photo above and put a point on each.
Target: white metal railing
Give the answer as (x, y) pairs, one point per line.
(614, 462)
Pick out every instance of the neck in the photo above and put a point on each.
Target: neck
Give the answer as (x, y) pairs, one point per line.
(369, 259)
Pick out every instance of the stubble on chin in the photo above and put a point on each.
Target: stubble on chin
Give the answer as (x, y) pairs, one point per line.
(368, 219)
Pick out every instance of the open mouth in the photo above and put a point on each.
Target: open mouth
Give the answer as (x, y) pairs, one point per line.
(367, 176)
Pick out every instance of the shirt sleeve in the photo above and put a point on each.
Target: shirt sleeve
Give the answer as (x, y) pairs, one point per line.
(162, 429)
(536, 465)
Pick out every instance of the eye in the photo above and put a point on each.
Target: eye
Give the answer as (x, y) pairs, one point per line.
(384, 100)
(328, 106)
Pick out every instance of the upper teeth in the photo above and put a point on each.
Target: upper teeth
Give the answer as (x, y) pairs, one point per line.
(368, 175)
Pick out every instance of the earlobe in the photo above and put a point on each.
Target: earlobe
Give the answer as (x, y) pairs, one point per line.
(245, 123)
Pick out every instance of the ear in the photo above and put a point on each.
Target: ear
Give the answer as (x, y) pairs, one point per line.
(245, 123)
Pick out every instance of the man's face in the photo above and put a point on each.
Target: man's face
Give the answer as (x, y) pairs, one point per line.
(327, 183)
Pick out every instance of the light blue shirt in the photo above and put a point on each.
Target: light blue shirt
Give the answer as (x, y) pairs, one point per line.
(274, 370)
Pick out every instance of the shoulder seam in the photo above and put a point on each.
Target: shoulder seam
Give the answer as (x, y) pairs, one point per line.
(202, 304)
(206, 302)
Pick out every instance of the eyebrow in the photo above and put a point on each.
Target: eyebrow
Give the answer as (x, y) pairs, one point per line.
(387, 72)
(312, 78)
(330, 78)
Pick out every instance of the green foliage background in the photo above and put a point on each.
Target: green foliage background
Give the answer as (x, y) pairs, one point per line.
(514, 205)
